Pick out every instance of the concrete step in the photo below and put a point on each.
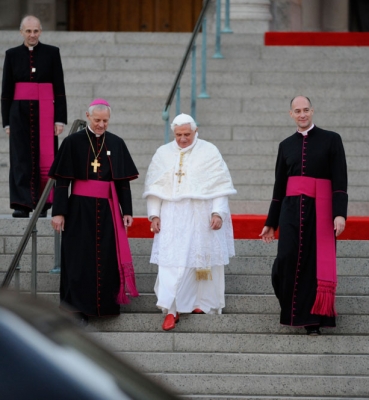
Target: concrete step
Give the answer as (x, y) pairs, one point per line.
(225, 104)
(255, 303)
(231, 91)
(9, 38)
(309, 53)
(256, 397)
(236, 304)
(323, 79)
(239, 265)
(261, 385)
(234, 284)
(225, 323)
(252, 343)
(13, 229)
(200, 363)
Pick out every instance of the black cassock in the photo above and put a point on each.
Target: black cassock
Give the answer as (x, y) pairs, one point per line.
(89, 280)
(23, 116)
(320, 154)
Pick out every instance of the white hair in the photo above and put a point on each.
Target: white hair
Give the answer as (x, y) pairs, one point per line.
(101, 107)
(183, 119)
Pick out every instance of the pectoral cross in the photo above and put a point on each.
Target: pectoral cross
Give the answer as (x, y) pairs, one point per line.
(95, 164)
(180, 173)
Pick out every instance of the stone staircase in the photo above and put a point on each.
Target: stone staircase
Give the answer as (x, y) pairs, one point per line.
(242, 354)
(246, 116)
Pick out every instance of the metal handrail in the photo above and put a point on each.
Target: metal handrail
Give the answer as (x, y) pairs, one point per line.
(183, 64)
(32, 225)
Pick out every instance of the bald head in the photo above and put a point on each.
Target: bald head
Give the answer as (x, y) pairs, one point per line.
(301, 111)
(30, 29)
(299, 98)
(30, 19)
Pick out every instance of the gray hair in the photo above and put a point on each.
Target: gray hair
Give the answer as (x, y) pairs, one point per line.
(29, 16)
(101, 107)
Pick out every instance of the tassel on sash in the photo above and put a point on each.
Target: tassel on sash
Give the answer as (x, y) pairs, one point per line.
(325, 299)
(127, 283)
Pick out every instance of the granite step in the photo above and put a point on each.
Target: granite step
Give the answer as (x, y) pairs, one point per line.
(241, 284)
(263, 364)
(262, 385)
(239, 343)
(225, 323)
(236, 304)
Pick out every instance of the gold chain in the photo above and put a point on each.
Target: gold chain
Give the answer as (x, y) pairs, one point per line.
(102, 145)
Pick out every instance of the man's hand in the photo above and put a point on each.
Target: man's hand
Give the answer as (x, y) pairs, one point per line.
(7, 130)
(267, 234)
(216, 222)
(58, 129)
(339, 225)
(155, 225)
(57, 223)
(127, 220)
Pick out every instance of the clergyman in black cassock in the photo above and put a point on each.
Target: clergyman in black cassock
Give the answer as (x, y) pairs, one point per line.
(90, 275)
(32, 63)
(310, 154)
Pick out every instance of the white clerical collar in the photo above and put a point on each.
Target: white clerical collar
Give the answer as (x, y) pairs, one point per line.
(191, 146)
(304, 133)
(30, 48)
(93, 131)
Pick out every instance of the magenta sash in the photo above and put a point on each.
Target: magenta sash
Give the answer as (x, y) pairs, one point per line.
(321, 190)
(43, 92)
(106, 190)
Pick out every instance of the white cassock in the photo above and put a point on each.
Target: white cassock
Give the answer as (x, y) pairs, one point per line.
(184, 187)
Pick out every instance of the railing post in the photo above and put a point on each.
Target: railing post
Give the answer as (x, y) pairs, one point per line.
(17, 278)
(178, 101)
(217, 54)
(227, 28)
(193, 83)
(203, 94)
(167, 129)
(165, 117)
(34, 263)
(56, 269)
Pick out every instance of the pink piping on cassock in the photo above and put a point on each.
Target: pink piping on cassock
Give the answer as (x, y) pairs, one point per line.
(43, 92)
(321, 190)
(106, 190)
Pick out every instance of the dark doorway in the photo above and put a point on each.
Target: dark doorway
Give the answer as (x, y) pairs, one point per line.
(133, 15)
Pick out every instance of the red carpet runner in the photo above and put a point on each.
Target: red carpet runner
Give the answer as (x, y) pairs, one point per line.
(250, 226)
(316, 39)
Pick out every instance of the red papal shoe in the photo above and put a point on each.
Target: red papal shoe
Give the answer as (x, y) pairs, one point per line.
(197, 311)
(170, 322)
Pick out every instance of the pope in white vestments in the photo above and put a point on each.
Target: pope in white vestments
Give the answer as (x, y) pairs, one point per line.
(187, 188)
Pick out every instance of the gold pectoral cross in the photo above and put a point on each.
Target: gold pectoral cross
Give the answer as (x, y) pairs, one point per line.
(180, 173)
(95, 164)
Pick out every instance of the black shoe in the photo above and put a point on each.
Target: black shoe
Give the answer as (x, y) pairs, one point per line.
(82, 319)
(313, 330)
(20, 214)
